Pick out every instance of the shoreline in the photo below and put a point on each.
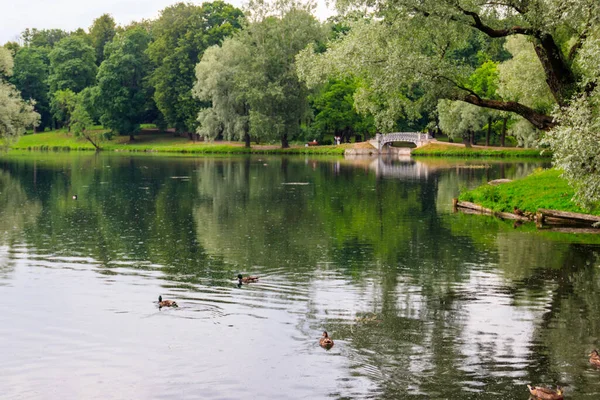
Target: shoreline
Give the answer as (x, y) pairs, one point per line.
(543, 197)
(152, 142)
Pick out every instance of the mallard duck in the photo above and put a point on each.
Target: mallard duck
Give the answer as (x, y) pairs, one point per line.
(166, 303)
(595, 358)
(545, 393)
(326, 341)
(518, 212)
(247, 279)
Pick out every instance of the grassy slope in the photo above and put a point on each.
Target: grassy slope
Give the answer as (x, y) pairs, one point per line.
(542, 189)
(448, 150)
(158, 142)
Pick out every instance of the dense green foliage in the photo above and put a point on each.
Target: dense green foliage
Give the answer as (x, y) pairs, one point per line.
(542, 189)
(16, 115)
(218, 83)
(335, 113)
(72, 65)
(181, 35)
(30, 76)
(123, 93)
(102, 31)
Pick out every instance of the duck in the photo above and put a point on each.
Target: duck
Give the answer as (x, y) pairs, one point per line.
(517, 211)
(326, 342)
(166, 303)
(74, 197)
(546, 393)
(595, 358)
(247, 279)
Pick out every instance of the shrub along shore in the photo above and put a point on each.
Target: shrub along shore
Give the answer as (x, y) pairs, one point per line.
(543, 189)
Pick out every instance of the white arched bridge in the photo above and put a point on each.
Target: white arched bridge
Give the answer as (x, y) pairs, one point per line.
(419, 139)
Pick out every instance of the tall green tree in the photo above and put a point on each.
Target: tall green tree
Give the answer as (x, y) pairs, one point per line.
(218, 84)
(277, 99)
(16, 115)
(181, 35)
(72, 65)
(335, 113)
(123, 93)
(30, 77)
(81, 122)
(62, 105)
(102, 31)
(458, 119)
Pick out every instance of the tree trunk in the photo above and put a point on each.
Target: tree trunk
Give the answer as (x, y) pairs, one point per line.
(131, 138)
(246, 140)
(489, 132)
(284, 141)
(559, 77)
(472, 138)
(91, 141)
(467, 139)
(503, 135)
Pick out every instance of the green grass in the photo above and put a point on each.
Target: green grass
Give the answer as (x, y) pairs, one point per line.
(446, 150)
(159, 142)
(542, 189)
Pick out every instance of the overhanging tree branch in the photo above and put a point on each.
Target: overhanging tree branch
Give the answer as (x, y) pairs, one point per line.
(541, 121)
(496, 33)
(559, 76)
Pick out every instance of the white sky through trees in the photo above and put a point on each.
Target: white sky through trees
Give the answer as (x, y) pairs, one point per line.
(72, 14)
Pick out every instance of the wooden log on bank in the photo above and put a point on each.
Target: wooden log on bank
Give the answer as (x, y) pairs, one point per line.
(566, 218)
(476, 208)
(594, 231)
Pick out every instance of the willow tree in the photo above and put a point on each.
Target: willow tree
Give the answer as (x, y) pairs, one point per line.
(278, 100)
(420, 42)
(272, 96)
(217, 82)
(576, 139)
(16, 115)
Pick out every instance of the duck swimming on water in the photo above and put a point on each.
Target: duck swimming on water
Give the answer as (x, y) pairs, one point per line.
(166, 303)
(546, 393)
(247, 279)
(326, 342)
(595, 358)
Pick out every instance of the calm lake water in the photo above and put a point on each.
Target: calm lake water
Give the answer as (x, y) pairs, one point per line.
(421, 303)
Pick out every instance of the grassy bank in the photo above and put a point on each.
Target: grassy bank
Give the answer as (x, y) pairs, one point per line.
(161, 142)
(455, 150)
(542, 189)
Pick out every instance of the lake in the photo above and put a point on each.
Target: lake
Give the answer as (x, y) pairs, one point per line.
(421, 302)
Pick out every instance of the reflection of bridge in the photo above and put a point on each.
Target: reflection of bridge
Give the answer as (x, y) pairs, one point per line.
(403, 169)
(419, 139)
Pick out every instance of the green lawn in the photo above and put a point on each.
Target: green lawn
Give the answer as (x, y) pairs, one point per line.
(160, 142)
(542, 189)
(448, 150)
